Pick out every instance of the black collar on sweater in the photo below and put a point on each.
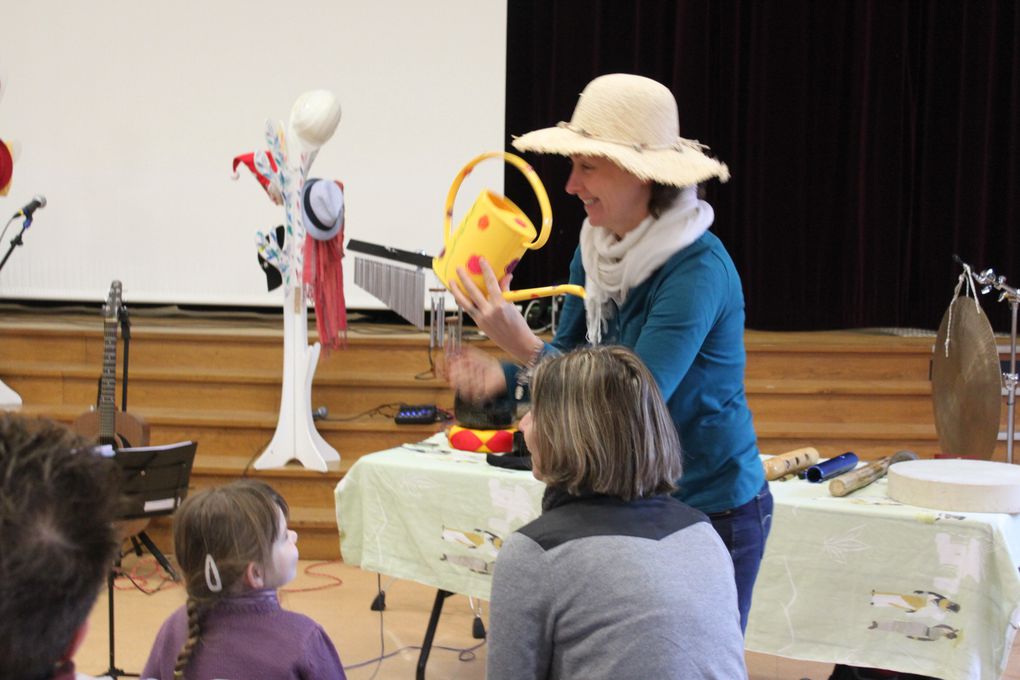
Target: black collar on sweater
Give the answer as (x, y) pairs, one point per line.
(567, 517)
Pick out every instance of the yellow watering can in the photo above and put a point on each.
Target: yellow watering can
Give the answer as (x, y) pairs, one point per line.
(497, 230)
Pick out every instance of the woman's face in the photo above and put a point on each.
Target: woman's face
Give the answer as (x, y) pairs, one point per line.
(613, 198)
(526, 426)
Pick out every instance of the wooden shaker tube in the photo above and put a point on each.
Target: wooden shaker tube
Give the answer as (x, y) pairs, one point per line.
(790, 462)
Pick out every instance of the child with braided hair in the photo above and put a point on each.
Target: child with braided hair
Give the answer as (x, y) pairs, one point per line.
(235, 550)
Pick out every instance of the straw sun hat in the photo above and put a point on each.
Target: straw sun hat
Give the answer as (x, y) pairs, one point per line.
(632, 121)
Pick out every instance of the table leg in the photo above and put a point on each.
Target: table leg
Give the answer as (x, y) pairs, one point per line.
(430, 632)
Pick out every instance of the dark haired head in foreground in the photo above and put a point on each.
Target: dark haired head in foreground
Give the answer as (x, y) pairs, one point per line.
(58, 500)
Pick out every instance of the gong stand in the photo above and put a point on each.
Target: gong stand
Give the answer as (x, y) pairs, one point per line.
(989, 280)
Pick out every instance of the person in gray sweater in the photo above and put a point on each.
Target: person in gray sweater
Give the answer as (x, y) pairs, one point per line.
(616, 578)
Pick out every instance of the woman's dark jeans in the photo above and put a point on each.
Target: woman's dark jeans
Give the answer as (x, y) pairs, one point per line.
(744, 530)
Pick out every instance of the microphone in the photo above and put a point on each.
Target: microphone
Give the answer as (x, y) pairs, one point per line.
(38, 201)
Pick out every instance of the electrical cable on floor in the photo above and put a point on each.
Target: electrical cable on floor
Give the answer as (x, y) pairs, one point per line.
(164, 584)
(464, 654)
(140, 581)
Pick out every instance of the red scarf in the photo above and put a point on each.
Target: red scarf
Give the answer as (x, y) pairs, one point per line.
(324, 280)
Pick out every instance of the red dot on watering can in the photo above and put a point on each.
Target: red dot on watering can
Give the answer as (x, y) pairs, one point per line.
(511, 266)
(474, 264)
(519, 221)
(483, 222)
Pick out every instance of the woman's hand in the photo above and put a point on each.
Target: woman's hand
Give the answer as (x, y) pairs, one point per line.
(494, 316)
(474, 375)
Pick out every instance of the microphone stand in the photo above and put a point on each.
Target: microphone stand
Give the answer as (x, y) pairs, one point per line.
(8, 397)
(17, 240)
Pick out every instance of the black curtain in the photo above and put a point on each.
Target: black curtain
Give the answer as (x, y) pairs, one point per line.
(868, 140)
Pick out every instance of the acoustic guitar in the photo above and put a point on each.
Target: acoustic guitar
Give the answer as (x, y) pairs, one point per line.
(107, 425)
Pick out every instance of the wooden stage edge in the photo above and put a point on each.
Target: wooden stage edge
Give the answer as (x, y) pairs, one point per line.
(259, 321)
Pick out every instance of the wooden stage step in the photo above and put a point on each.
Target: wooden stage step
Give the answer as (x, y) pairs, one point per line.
(216, 379)
(245, 434)
(318, 537)
(309, 495)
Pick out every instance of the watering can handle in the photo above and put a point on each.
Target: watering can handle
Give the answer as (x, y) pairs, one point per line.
(528, 172)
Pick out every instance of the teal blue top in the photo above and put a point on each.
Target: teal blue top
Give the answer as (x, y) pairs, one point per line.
(686, 322)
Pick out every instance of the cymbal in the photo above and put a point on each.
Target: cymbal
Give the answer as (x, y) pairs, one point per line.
(966, 382)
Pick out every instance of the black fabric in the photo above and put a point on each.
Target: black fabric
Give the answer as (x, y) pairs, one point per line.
(492, 414)
(518, 459)
(868, 141)
(841, 672)
(509, 461)
(273, 277)
(566, 517)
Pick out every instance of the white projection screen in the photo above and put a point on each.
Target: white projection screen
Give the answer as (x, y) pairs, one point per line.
(127, 115)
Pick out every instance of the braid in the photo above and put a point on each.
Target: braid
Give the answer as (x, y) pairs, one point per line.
(218, 532)
(194, 636)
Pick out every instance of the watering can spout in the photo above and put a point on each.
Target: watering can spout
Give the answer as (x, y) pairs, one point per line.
(496, 230)
(543, 291)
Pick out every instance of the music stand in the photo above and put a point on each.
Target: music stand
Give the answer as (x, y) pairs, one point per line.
(155, 481)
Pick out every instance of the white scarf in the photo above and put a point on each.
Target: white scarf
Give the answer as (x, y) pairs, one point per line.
(614, 266)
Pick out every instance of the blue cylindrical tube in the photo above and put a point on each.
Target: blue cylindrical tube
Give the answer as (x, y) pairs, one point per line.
(832, 467)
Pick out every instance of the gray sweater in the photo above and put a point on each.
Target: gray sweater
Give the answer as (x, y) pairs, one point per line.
(600, 588)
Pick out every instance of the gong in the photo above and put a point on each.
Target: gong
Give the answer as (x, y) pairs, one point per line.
(966, 382)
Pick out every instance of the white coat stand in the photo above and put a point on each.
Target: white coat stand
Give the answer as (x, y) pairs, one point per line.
(296, 436)
(314, 117)
(9, 399)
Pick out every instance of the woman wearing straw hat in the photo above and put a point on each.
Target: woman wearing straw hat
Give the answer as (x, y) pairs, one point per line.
(657, 281)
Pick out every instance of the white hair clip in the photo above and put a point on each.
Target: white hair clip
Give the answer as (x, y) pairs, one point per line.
(212, 575)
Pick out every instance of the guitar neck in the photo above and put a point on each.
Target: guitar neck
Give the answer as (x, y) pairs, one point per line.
(108, 384)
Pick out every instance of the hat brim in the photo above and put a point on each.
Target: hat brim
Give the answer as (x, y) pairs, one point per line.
(683, 166)
(319, 231)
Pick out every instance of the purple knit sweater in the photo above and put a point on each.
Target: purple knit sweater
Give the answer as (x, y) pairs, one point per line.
(244, 637)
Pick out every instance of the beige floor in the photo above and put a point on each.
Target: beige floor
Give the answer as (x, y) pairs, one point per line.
(338, 596)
